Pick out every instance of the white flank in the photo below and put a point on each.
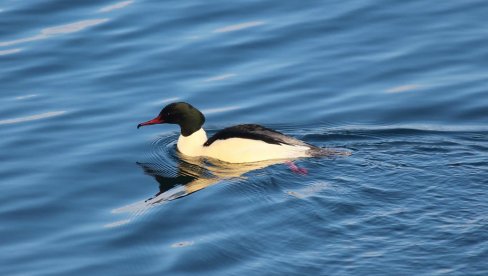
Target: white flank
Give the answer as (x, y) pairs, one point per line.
(116, 6)
(238, 27)
(240, 150)
(237, 150)
(32, 117)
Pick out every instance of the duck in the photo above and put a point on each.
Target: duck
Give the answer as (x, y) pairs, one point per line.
(244, 143)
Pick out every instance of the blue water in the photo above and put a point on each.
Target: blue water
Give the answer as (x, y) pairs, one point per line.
(402, 86)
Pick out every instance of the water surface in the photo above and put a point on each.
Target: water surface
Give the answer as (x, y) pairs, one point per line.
(400, 85)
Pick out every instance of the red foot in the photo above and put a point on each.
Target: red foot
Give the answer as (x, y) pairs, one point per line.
(294, 168)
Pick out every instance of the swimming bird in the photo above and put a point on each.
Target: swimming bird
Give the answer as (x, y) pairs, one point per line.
(237, 144)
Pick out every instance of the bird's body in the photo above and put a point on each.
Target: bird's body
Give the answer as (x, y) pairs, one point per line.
(237, 144)
(236, 148)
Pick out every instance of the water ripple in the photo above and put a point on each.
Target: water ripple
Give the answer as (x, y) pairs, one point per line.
(401, 86)
(57, 30)
(404, 88)
(10, 51)
(32, 117)
(238, 27)
(116, 6)
(220, 77)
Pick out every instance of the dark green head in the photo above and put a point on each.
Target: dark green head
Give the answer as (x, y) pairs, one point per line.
(183, 114)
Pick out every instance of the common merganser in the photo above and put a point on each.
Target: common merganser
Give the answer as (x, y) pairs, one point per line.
(236, 144)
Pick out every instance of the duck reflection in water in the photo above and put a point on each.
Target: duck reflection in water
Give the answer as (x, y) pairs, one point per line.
(194, 174)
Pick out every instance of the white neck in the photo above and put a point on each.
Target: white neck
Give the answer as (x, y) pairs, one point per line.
(192, 145)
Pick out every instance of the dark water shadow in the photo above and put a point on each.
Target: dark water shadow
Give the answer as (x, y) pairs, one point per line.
(189, 176)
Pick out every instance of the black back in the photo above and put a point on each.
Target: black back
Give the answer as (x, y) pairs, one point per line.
(255, 132)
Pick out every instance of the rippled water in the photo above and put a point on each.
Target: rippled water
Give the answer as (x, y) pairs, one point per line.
(400, 85)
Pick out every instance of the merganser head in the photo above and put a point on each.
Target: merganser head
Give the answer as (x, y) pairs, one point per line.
(183, 114)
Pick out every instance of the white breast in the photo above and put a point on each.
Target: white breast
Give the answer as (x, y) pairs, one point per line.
(192, 145)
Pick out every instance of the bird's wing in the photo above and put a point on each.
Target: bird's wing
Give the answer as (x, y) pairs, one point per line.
(255, 132)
